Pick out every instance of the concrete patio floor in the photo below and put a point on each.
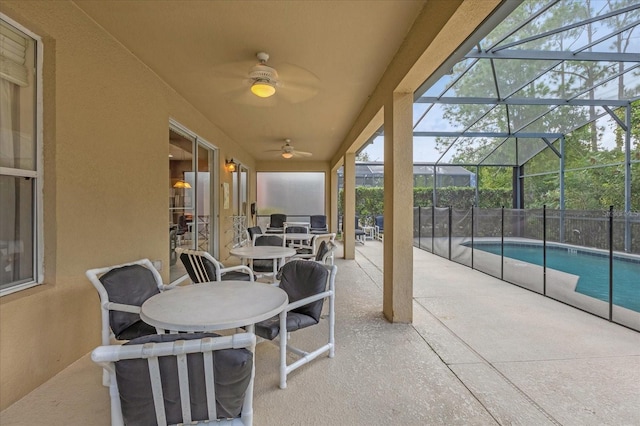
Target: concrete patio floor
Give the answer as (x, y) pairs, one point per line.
(479, 352)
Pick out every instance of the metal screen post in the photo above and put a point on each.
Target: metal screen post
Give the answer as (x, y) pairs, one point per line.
(419, 227)
(472, 232)
(610, 263)
(544, 249)
(433, 227)
(450, 232)
(502, 243)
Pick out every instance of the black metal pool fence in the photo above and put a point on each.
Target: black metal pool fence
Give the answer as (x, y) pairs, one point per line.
(456, 235)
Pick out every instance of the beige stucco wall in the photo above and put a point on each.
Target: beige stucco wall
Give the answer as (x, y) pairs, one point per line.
(106, 120)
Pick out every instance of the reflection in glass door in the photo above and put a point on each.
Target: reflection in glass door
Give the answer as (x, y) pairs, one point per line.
(202, 228)
(239, 197)
(191, 200)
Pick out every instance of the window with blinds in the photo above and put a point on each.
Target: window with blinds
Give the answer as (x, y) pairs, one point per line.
(20, 164)
(13, 53)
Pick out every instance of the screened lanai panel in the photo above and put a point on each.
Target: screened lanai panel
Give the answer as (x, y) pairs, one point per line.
(476, 80)
(431, 146)
(514, 74)
(494, 120)
(502, 154)
(582, 194)
(450, 117)
(541, 190)
(625, 86)
(567, 25)
(635, 202)
(571, 79)
(456, 151)
(530, 147)
(564, 119)
(419, 111)
(520, 116)
(545, 161)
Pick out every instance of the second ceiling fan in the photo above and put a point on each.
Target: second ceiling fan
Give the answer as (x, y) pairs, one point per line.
(288, 151)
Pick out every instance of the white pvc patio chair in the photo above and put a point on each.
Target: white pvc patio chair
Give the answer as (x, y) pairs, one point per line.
(317, 250)
(307, 284)
(264, 267)
(122, 290)
(202, 267)
(180, 379)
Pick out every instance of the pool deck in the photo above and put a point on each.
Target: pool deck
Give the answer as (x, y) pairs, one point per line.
(480, 351)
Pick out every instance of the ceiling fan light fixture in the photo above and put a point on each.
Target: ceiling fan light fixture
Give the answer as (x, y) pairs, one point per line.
(287, 155)
(263, 89)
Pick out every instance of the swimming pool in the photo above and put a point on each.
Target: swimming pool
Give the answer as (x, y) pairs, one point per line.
(591, 267)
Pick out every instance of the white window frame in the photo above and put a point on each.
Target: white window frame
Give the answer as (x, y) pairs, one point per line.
(38, 222)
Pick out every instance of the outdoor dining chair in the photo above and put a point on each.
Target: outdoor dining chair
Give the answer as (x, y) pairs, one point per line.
(264, 267)
(319, 249)
(252, 232)
(379, 224)
(360, 234)
(180, 379)
(122, 290)
(202, 267)
(307, 284)
(276, 223)
(318, 224)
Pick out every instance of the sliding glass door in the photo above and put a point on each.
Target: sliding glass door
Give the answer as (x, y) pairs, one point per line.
(192, 206)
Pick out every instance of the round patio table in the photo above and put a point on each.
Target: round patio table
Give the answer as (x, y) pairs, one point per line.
(218, 305)
(277, 253)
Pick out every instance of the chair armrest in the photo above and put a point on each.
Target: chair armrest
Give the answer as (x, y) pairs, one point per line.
(236, 268)
(302, 256)
(112, 306)
(307, 300)
(243, 268)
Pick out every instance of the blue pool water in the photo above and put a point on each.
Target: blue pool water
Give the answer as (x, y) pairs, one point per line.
(592, 268)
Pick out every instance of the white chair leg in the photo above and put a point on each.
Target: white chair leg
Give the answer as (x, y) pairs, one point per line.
(283, 350)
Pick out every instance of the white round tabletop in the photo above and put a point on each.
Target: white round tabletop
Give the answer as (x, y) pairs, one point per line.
(213, 306)
(262, 252)
(298, 236)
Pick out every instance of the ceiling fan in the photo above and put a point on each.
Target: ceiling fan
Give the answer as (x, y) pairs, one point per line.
(287, 151)
(259, 84)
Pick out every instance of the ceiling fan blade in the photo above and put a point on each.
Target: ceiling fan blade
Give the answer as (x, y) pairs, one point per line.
(295, 75)
(296, 83)
(301, 154)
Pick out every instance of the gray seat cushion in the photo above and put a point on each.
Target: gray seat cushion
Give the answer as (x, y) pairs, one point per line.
(137, 329)
(236, 276)
(322, 250)
(254, 230)
(299, 279)
(296, 230)
(130, 285)
(232, 369)
(266, 265)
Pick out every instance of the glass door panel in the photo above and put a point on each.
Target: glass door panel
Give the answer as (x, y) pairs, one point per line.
(203, 199)
(181, 198)
(192, 204)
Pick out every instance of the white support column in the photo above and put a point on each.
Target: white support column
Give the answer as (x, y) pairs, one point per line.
(398, 209)
(348, 221)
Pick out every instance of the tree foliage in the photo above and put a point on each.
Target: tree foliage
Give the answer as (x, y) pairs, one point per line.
(594, 175)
